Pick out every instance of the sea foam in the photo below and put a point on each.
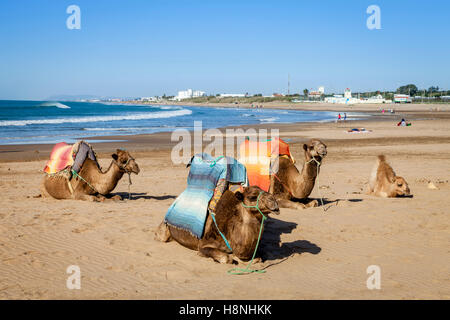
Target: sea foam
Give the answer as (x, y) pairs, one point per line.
(139, 116)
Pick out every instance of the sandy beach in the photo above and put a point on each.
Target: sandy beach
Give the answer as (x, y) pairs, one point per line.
(307, 254)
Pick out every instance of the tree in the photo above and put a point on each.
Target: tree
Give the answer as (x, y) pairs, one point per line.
(410, 89)
(305, 92)
(433, 89)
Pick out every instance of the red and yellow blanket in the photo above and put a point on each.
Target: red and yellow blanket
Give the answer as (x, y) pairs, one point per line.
(257, 156)
(60, 158)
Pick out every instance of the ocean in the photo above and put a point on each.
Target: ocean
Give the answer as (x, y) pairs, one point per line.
(41, 122)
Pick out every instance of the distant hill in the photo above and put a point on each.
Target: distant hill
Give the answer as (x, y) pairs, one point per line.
(66, 97)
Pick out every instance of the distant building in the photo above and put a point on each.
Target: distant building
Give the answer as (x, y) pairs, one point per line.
(399, 98)
(348, 99)
(348, 93)
(317, 94)
(189, 93)
(148, 99)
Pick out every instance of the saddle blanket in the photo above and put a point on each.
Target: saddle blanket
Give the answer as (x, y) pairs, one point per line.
(190, 209)
(64, 156)
(257, 158)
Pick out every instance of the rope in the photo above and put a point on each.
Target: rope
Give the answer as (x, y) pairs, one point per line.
(223, 237)
(76, 175)
(247, 270)
(215, 161)
(129, 185)
(318, 183)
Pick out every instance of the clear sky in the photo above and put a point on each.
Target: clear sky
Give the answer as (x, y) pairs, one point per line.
(145, 47)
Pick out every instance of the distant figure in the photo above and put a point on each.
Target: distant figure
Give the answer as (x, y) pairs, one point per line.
(382, 111)
(345, 116)
(339, 117)
(402, 123)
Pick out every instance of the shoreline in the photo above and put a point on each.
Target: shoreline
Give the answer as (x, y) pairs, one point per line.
(162, 141)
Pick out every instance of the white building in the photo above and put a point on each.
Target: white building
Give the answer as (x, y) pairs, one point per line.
(317, 93)
(189, 93)
(348, 99)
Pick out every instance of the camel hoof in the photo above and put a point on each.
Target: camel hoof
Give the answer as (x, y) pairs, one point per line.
(226, 259)
(162, 233)
(313, 204)
(116, 198)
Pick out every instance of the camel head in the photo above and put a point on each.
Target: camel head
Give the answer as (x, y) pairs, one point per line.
(315, 149)
(125, 161)
(267, 203)
(400, 187)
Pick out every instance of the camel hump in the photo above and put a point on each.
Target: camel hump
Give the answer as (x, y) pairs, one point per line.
(382, 157)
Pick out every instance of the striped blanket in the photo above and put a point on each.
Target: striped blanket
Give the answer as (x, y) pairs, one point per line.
(207, 175)
(257, 157)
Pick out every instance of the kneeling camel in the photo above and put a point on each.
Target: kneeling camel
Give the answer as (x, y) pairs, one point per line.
(289, 184)
(237, 218)
(92, 184)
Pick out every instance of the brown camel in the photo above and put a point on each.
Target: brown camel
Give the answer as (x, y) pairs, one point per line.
(288, 183)
(384, 183)
(98, 183)
(240, 226)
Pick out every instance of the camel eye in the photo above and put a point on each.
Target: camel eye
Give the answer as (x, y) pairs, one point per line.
(399, 184)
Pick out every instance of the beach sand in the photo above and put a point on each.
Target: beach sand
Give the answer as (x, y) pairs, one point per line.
(309, 254)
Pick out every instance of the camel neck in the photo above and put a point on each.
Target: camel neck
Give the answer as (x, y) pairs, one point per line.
(106, 181)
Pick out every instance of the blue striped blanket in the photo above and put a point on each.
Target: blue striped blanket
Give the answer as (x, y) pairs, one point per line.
(190, 209)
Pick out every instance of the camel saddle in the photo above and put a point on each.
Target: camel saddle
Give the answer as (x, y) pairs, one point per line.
(208, 178)
(65, 156)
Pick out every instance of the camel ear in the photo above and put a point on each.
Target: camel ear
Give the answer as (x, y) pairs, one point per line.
(305, 147)
(239, 195)
(115, 156)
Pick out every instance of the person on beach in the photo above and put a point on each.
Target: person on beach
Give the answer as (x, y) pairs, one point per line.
(345, 116)
(339, 117)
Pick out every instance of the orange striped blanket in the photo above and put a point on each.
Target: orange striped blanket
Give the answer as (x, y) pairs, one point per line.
(257, 156)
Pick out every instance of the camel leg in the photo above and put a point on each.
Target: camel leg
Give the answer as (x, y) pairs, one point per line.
(216, 254)
(163, 233)
(284, 203)
(256, 260)
(86, 197)
(312, 204)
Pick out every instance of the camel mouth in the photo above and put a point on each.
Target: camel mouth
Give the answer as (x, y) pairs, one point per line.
(276, 211)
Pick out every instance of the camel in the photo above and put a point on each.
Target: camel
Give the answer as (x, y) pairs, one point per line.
(240, 225)
(384, 183)
(289, 184)
(98, 184)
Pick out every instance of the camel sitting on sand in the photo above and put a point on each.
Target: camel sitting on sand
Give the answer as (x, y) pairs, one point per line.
(289, 184)
(92, 184)
(237, 218)
(384, 183)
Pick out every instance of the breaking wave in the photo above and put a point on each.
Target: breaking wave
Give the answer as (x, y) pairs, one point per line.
(139, 116)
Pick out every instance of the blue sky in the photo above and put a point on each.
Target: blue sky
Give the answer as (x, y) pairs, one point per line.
(145, 47)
